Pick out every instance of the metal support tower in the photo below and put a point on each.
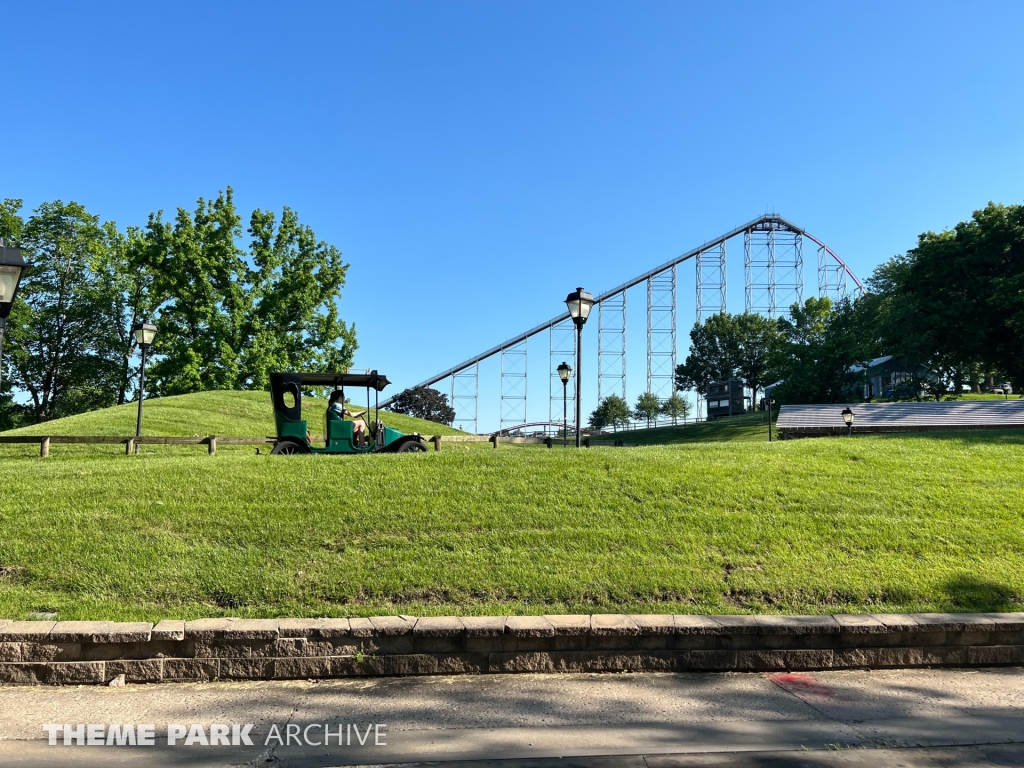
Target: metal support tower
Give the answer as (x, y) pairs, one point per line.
(465, 396)
(773, 267)
(832, 278)
(661, 333)
(611, 346)
(773, 264)
(562, 346)
(711, 282)
(513, 385)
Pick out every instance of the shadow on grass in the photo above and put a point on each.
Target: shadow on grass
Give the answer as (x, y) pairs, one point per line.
(971, 594)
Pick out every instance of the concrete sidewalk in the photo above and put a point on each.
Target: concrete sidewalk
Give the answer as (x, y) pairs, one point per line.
(897, 717)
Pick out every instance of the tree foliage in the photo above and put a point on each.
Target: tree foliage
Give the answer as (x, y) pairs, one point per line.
(227, 316)
(823, 346)
(423, 403)
(58, 330)
(612, 412)
(236, 316)
(677, 407)
(956, 301)
(647, 407)
(728, 346)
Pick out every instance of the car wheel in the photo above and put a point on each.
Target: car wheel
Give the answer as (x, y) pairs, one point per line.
(412, 447)
(289, 448)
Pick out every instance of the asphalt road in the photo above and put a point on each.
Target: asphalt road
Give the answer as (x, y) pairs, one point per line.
(851, 718)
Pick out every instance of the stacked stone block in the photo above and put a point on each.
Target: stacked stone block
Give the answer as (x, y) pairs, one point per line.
(96, 652)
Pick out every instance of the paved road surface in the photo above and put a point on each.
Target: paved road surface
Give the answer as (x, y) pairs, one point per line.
(852, 718)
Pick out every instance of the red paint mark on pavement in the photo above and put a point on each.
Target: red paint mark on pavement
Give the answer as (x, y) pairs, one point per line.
(804, 686)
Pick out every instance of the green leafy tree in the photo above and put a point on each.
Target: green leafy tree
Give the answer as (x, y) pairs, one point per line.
(956, 302)
(229, 318)
(423, 403)
(612, 412)
(728, 346)
(647, 407)
(677, 407)
(822, 347)
(129, 294)
(758, 342)
(58, 329)
(712, 355)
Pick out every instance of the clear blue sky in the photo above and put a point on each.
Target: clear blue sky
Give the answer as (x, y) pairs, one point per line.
(476, 161)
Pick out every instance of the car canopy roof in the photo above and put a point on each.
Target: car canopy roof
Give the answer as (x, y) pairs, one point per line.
(373, 380)
(292, 383)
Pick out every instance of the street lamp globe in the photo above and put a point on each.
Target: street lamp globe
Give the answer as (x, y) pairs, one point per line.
(144, 334)
(848, 416)
(564, 372)
(12, 265)
(579, 303)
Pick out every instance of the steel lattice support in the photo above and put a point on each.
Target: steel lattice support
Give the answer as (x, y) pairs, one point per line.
(513, 385)
(711, 282)
(611, 346)
(773, 268)
(661, 333)
(465, 396)
(832, 278)
(773, 265)
(562, 348)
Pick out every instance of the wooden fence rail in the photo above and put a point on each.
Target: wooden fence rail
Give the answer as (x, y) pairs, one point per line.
(212, 441)
(130, 441)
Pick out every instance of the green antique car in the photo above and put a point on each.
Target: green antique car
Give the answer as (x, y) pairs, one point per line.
(293, 430)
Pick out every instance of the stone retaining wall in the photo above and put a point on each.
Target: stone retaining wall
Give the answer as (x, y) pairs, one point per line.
(96, 652)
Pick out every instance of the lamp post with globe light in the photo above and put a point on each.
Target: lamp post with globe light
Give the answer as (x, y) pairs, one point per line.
(144, 335)
(565, 373)
(579, 303)
(12, 265)
(848, 418)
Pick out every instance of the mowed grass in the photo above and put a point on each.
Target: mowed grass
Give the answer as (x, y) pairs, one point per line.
(751, 427)
(888, 523)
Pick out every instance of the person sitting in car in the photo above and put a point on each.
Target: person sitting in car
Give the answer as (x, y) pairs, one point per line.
(336, 410)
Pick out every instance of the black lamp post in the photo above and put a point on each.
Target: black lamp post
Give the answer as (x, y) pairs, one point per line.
(848, 418)
(565, 373)
(579, 303)
(144, 334)
(12, 265)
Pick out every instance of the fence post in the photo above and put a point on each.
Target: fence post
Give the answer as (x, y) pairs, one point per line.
(213, 444)
(436, 440)
(129, 447)
(547, 442)
(44, 447)
(494, 439)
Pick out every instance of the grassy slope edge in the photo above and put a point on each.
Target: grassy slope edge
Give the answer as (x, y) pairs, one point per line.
(879, 523)
(219, 412)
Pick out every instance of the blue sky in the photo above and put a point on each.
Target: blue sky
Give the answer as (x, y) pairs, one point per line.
(476, 161)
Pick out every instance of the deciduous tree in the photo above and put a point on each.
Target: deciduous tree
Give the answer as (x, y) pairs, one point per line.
(423, 403)
(647, 407)
(677, 407)
(612, 412)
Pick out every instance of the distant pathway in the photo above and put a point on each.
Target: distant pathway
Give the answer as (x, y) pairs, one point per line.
(895, 717)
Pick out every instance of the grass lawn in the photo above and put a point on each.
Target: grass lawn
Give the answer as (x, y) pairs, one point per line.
(879, 523)
(752, 427)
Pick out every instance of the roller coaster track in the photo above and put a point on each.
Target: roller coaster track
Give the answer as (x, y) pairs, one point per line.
(773, 264)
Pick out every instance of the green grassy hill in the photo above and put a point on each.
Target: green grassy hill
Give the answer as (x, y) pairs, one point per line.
(750, 428)
(222, 412)
(863, 524)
